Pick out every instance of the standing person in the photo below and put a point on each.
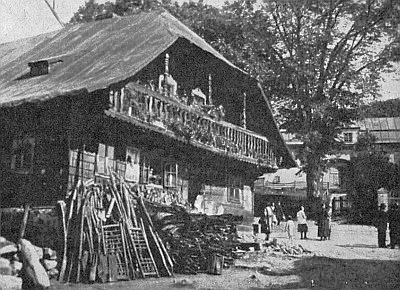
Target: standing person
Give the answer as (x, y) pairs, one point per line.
(274, 219)
(290, 228)
(394, 225)
(265, 227)
(280, 216)
(302, 227)
(269, 215)
(380, 222)
(323, 223)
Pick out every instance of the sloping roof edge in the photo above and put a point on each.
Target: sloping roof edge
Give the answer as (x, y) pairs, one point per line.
(289, 160)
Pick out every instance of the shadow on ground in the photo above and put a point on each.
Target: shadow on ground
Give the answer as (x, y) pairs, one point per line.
(322, 272)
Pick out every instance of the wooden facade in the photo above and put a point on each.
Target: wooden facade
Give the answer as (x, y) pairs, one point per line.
(160, 133)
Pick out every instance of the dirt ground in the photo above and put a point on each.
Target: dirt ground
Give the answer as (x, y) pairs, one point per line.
(349, 260)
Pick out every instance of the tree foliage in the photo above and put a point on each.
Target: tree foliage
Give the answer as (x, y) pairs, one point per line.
(372, 171)
(317, 59)
(379, 109)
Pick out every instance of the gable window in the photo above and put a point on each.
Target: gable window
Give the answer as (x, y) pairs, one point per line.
(171, 175)
(22, 155)
(348, 137)
(234, 189)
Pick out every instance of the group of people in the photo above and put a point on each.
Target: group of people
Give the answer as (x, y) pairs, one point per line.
(381, 221)
(272, 215)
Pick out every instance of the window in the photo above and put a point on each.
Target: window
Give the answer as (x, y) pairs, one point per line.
(277, 179)
(105, 159)
(22, 155)
(171, 175)
(132, 171)
(144, 171)
(348, 137)
(234, 189)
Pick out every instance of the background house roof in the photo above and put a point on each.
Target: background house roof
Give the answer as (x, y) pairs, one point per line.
(386, 130)
(93, 55)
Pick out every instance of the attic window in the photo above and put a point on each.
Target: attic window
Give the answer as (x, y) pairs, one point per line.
(42, 67)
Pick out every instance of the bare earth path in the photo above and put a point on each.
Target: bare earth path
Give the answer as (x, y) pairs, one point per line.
(349, 260)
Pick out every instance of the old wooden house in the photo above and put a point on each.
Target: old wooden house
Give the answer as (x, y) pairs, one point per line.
(143, 96)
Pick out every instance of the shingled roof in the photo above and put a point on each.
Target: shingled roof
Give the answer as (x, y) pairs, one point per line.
(91, 56)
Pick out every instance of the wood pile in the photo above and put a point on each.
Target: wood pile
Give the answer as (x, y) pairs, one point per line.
(109, 235)
(192, 239)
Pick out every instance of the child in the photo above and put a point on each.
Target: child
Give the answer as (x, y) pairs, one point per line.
(290, 228)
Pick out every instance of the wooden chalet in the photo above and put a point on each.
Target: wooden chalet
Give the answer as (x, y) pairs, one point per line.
(143, 96)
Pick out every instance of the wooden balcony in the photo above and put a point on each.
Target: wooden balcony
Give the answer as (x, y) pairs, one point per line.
(170, 116)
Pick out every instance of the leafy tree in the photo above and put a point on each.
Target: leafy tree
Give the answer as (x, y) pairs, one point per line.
(326, 61)
(372, 170)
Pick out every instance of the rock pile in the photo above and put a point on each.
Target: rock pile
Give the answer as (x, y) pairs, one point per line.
(25, 265)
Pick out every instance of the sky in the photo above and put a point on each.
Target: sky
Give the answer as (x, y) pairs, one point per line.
(25, 18)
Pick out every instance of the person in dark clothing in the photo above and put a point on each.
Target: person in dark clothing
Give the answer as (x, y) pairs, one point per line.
(280, 216)
(380, 223)
(323, 223)
(265, 225)
(394, 225)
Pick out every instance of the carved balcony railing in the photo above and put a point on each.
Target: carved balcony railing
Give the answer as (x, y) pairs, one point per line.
(170, 115)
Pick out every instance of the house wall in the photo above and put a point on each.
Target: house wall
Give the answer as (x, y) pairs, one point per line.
(81, 144)
(33, 155)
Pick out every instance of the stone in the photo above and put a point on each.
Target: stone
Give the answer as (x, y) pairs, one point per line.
(49, 254)
(39, 251)
(33, 273)
(7, 247)
(2, 239)
(10, 282)
(16, 267)
(49, 264)
(5, 267)
(53, 273)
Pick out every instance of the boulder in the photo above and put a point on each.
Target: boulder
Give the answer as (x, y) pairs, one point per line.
(49, 264)
(33, 273)
(5, 267)
(10, 282)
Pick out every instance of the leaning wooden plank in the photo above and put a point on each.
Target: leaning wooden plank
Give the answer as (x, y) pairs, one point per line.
(62, 206)
(165, 252)
(81, 234)
(24, 221)
(72, 232)
(148, 247)
(148, 219)
(160, 250)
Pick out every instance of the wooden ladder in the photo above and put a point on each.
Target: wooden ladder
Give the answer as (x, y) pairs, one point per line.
(115, 249)
(143, 253)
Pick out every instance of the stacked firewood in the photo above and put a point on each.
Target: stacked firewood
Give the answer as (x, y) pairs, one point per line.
(192, 239)
(109, 235)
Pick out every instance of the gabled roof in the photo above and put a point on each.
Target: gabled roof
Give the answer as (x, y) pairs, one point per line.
(94, 55)
(386, 130)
